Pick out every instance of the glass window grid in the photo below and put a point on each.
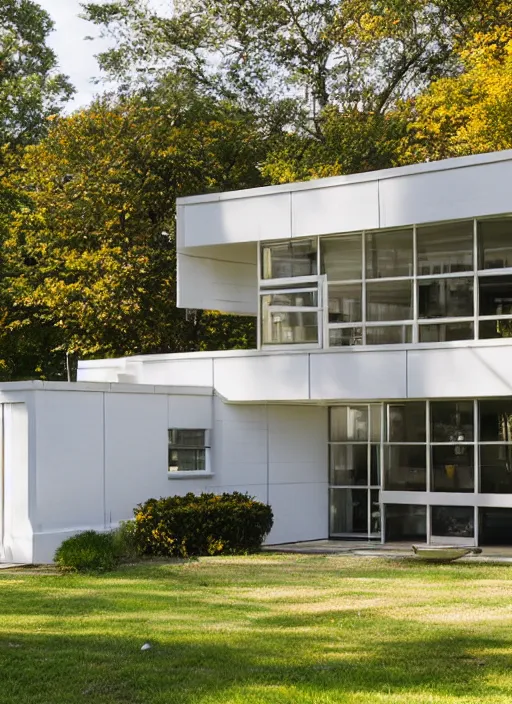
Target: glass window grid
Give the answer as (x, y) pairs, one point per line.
(475, 444)
(415, 322)
(368, 487)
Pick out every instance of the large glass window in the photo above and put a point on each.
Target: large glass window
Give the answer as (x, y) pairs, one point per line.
(452, 447)
(436, 283)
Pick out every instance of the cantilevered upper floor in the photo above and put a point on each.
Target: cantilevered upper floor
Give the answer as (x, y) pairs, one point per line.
(414, 255)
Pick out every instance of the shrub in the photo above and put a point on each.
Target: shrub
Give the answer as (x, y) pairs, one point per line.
(125, 541)
(182, 526)
(87, 551)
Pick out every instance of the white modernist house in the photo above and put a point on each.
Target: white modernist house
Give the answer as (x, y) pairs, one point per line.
(377, 405)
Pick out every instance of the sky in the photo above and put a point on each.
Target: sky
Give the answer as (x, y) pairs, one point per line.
(74, 52)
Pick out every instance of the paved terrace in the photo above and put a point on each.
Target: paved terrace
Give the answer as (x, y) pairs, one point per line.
(500, 553)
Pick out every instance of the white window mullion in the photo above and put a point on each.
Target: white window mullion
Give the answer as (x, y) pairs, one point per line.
(476, 296)
(415, 304)
(476, 446)
(363, 288)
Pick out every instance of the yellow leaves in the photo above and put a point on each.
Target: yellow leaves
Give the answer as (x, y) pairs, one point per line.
(470, 113)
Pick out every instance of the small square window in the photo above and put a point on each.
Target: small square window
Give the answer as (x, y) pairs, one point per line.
(187, 450)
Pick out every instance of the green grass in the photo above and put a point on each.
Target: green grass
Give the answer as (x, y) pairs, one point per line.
(263, 629)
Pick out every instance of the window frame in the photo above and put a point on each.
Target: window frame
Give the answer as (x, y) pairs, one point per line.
(205, 447)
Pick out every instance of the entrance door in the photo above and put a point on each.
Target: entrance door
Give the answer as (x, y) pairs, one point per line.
(354, 471)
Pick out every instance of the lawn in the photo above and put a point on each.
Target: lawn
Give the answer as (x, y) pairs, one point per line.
(252, 630)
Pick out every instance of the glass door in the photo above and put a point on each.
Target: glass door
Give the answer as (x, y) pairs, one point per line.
(354, 471)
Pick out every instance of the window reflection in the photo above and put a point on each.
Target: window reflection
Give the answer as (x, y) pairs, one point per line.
(342, 257)
(496, 420)
(446, 332)
(452, 468)
(389, 300)
(289, 259)
(389, 253)
(280, 328)
(451, 421)
(446, 298)
(349, 423)
(453, 521)
(407, 422)
(495, 244)
(494, 329)
(388, 335)
(495, 294)
(445, 248)
(349, 465)
(405, 468)
(349, 511)
(345, 337)
(345, 303)
(496, 469)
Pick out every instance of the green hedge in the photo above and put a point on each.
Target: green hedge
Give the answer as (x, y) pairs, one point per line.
(208, 524)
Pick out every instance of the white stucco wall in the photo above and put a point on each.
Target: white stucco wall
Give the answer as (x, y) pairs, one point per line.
(472, 369)
(80, 456)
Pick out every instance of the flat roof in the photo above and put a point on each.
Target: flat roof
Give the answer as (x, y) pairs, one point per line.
(397, 172)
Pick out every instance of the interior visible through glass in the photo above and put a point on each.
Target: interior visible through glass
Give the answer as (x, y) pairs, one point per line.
(374, 277)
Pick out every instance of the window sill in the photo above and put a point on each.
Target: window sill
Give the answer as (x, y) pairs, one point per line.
(189, 475)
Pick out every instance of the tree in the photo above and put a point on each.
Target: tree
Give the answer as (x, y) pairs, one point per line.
(93, 255)
(469, 113)
(333, 70)
(30, 88)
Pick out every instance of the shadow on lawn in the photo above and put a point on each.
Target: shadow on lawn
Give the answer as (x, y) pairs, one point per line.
(49, 667)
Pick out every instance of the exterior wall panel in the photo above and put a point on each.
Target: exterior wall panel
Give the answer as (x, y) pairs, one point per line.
(445, 195)
(257, 218)
(262, 378)
(466, 372)
(360, 375)
(345, 208)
